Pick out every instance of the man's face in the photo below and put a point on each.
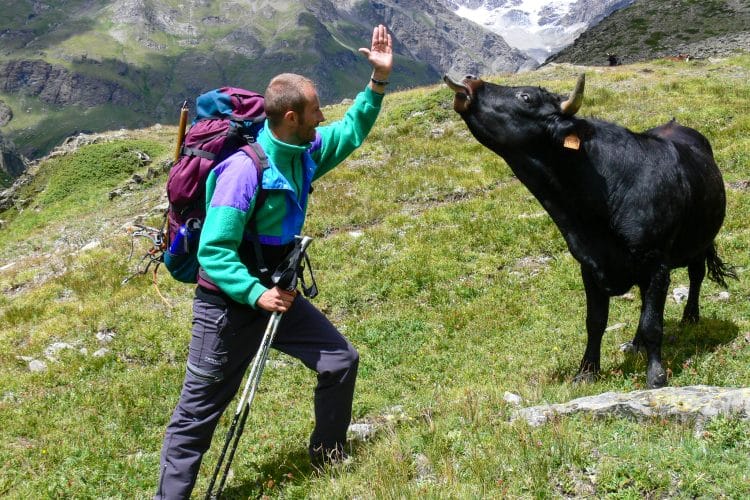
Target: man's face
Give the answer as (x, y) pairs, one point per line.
(310, 118)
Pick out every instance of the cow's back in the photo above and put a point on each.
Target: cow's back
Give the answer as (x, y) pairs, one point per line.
(673, 131)
(704, 215)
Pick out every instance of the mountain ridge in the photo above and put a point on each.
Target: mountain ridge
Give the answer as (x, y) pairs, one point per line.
(649, 29)
(539, 29)
(142, 58)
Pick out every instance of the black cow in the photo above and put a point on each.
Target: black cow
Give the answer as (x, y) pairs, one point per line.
(613, 59)
(630, 206)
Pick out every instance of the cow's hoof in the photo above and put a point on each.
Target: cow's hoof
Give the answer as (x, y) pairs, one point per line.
(584, 378)
(690, 317)
(656, 376)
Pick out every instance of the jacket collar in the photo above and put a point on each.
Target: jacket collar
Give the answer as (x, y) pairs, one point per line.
(282, 157)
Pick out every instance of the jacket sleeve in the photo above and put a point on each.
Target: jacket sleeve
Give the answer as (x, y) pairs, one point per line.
(231, 189)
(342, 137)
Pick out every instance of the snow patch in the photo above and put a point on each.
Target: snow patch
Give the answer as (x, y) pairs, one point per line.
(537, 27)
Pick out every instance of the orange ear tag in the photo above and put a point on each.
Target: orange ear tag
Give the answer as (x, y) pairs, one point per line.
(572, 142)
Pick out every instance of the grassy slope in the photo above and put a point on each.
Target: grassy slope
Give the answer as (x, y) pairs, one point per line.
(440, 294)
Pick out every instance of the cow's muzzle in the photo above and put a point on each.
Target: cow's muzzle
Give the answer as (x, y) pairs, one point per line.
(464, 91)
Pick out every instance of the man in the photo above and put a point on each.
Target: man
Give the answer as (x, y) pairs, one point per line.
(234, 296)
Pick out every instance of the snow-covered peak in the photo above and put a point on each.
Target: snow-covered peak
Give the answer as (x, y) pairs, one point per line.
(539, 28)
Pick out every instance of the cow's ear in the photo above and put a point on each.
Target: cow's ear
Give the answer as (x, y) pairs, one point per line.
(569, 133)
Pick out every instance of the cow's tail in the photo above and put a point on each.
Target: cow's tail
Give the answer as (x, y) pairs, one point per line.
(718, 271)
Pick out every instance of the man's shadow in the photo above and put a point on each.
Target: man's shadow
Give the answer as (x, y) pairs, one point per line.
(281, 471)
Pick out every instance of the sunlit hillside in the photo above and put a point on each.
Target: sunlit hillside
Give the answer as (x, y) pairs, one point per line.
(439, 266)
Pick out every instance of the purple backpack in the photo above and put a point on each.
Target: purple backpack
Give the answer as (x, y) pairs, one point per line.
(227, 119)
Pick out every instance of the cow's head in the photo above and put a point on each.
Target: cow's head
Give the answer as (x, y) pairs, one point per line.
(508, 118)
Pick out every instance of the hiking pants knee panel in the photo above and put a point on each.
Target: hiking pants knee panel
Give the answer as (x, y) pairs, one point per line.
(306, 334)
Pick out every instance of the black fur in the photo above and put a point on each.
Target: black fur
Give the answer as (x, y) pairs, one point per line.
(631, 206)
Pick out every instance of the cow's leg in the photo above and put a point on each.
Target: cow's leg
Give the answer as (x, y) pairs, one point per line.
(597, 311)
(696, 273)
(637, 344)
(651, 325)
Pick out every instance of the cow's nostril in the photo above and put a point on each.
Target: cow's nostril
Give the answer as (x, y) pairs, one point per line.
(470, 77)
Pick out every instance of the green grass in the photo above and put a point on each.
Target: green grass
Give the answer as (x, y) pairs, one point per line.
(443, 271)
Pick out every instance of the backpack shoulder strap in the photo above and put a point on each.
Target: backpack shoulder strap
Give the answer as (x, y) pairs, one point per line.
(256, 153)
(260, 161)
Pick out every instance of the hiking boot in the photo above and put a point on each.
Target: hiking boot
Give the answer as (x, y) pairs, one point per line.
(322, 458)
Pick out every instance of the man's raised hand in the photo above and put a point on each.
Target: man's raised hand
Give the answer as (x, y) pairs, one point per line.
(380, 54)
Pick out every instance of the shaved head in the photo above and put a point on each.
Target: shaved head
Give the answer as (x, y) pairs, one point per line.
(286, 92)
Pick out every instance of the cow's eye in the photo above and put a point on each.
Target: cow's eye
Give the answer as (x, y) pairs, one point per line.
(524, 97)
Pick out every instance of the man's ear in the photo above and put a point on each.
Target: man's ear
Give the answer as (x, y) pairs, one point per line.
(291, 116)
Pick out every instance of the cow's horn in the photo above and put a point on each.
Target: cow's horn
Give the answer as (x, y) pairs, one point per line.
(573, 104)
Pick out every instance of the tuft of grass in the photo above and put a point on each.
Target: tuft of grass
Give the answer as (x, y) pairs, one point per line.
(95, 167)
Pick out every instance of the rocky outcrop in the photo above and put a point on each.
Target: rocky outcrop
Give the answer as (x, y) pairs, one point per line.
(6, 114)
(650, 30)
(25, 173)
(589, 12)
(693, 404)
(12, 164)
(56, 85)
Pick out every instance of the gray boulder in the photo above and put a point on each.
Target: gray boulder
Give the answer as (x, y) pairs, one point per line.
(696, 404)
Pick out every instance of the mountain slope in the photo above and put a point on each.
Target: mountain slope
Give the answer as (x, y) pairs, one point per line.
(439, 266)
(107, 64)
(651, 29)
(538, 28)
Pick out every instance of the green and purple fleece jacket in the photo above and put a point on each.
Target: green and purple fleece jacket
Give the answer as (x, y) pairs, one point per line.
(232, 187)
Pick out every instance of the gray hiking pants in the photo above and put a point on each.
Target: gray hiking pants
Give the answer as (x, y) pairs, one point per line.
(225, 338)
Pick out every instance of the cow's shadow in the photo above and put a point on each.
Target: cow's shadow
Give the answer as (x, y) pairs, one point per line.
(684, 345)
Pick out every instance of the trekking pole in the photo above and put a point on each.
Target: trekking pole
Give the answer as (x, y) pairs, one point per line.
(243, 406)
(284, 277)
(181, 130)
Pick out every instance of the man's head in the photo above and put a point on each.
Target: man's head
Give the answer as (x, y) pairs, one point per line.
(293, 108)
